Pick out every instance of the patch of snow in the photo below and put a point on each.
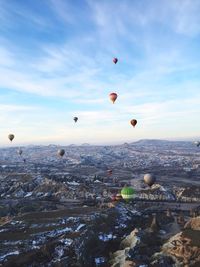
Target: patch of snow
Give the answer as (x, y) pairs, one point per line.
(4, 230)
(73, 183)
(97, 181)
(28, 194)
(79, 227)
(59, 251)
(12, 243)
(67, 229)
(16, 222)
(122, 225)
(138, 239)
(67, 241)
(162, 189)
(35, 247)
(99, 260)
(3, 166)
(105, 237)
(9, 254)
(162, 232)
(72, 219)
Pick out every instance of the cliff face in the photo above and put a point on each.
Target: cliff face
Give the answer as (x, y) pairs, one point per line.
(193, 224)
(136, 249)
(184, 247)
(119, 258)
(145, 247)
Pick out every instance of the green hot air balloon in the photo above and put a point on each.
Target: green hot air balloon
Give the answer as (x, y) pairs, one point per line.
(127, 193)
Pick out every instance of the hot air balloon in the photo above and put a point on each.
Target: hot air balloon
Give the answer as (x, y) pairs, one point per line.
(133, 122)
(109, 172)
(115, 60)
(127, 193)
(20, 151)
(11, 137)
(197, 143)
(113, 97)
(113, 197)
(61, 152)
(75, 119)
(118, 197)
(149, 179)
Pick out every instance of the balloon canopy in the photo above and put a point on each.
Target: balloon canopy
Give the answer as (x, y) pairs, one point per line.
(118, 196)
(109, 172)
(61, 152)
(11, 137)
(197, 143)
(115, 60)
(113, 97)
(75, 119)
(149, 179)
(133, 122)
(127, 193)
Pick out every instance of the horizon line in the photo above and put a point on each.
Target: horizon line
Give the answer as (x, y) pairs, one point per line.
(102, 144)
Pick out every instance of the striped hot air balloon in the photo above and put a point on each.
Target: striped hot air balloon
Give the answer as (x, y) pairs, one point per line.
(127, 193)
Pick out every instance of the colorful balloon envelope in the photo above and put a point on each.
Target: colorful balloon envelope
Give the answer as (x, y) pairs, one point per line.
(127, 193)
(115, 60)
(61, 152)
(113, 97)
(75, 119)
(197, 143)
(149, 179)
(118, 197)
(113, 197)
(11, 137)
(133, 122)
(109, 172)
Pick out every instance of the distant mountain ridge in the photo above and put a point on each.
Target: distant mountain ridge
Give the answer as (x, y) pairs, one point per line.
(159, 141)
(162, 143)
(142, 142)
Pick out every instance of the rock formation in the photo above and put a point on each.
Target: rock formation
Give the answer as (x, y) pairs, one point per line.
(184, 247)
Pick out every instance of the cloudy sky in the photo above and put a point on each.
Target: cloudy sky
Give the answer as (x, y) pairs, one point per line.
(56, 63)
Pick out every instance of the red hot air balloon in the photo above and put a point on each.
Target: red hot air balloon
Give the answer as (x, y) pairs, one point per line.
(115, 60)
(113, 197)
(113, 97)
(109, 172)
(133, 122)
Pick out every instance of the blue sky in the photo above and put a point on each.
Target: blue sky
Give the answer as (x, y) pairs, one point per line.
(56, 63)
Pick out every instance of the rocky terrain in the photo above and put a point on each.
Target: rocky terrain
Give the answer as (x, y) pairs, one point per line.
(138, 248)
(60, 211)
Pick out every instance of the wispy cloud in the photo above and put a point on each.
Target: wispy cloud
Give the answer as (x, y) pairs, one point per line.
(63, 10)
(12, 13)
(11, 108)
